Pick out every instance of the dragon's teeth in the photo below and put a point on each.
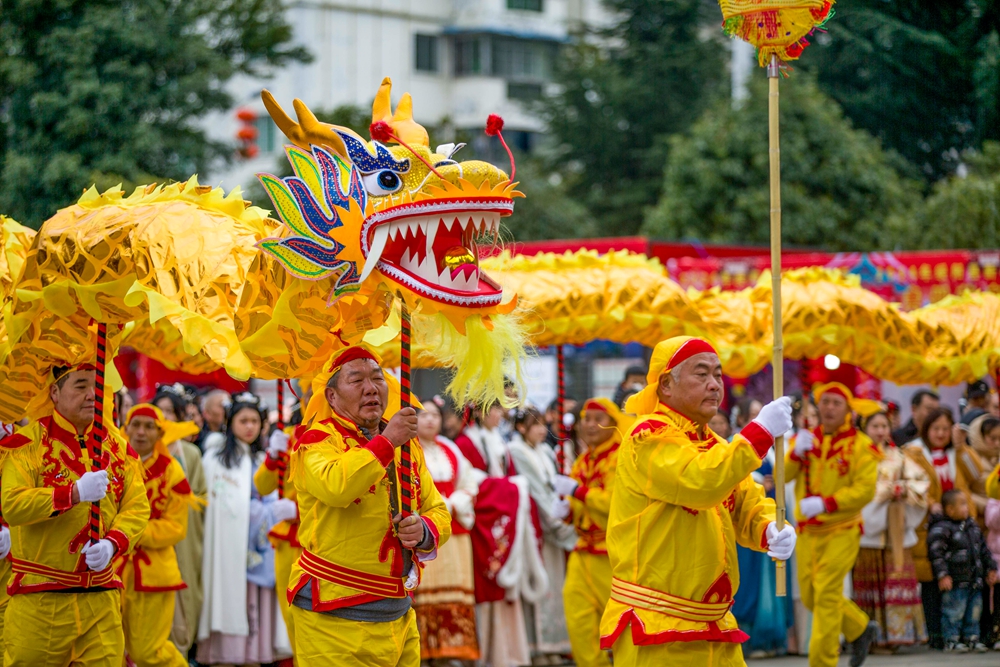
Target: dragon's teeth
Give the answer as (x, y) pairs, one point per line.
(431, 231)
(378, 245)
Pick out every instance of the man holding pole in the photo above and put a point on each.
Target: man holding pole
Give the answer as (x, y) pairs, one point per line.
(64, 605)
(360, 558)
(834, 468)
(683, 499)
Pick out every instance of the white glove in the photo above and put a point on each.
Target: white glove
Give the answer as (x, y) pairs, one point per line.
(4, 541)
(98, 554)
(565, 486)
(568, 420)
(560, 509)
(803, 443)
(92, 486)
(776, 417)
(277, 443)
(284, 509)
(780, 543)
(812, 506)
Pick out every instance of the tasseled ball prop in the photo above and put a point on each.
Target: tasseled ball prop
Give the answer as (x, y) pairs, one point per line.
(494, 128)
(381, 132)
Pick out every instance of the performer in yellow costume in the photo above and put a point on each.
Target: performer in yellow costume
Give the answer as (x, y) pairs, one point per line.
(349, 587)
(151, 574)
(993, 484)
(64, 606)
(284, 535)
(683, 499)
(835, 468)
(589, 486)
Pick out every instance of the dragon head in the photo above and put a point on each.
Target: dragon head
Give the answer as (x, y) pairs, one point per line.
(366, 211)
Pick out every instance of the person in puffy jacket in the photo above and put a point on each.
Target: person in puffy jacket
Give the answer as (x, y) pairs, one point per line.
(962, 565)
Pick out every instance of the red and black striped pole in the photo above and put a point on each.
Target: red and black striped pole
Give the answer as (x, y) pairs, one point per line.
(98, 431)
(561, 399)
(405, 401)
(280, 425)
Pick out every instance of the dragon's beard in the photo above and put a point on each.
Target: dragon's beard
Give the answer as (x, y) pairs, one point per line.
(480, 359)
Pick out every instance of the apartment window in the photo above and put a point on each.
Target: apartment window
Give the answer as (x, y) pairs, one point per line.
(523, 59)
(527, 5)
(525, 92)
(267, 134)
(427, 53)
(468, 56)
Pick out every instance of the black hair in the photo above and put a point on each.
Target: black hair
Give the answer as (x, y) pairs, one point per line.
(919, 396)
(988, 424)
(436, 401)
(950, 497)
(176, 395)
(634, 370)
(528, 416)
(231, 452)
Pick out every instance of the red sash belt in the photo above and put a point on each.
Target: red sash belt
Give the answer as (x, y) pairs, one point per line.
(86, 579)
(373, 584)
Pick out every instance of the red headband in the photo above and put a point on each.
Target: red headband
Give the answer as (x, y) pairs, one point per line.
(145, 410)
(351, 354)
(594, 405)
(688, 350)
(836, 390)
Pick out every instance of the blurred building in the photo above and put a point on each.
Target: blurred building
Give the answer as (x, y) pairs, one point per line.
(461, 60)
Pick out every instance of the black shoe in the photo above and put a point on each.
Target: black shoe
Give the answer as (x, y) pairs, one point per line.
(861, 645)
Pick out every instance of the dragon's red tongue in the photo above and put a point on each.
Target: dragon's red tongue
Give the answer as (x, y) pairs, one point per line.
(465, 270)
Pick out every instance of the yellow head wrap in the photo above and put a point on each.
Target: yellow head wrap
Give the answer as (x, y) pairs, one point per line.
(319, 409)
(621, 421)
(667, 355)
(170, 431)
(861, 406)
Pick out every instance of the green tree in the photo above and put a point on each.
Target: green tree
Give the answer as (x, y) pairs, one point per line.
(90, 88)
(839, 187)
(963, 211)
(622, 91)
(921, 75)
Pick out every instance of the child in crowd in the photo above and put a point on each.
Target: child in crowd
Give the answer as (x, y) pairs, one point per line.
(963, 565)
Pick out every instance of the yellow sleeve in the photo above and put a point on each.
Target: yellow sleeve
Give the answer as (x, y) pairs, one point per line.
(993, 484)
(433, 511)
(793, 464)
(23, 502)
(171, 527)
(678, 473)
(266, 477)
(337, 478)
(863, 478)
(133, 509)
(596, 500)
(754, 512)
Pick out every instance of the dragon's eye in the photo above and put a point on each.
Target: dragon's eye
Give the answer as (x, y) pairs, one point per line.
(382, 183)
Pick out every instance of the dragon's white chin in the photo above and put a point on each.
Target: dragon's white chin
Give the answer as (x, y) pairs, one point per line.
(431, 248)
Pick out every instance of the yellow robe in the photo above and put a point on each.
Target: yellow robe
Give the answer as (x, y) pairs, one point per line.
(283, 536)
(151, 574)
(842, 469)
(588, 572)
(42, 462)
(993, 484)
(683, 500)
(350, 552)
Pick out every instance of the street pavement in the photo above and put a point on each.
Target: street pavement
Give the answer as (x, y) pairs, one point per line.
(912, 658)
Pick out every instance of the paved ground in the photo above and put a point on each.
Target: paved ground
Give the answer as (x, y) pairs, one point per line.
(921, 658)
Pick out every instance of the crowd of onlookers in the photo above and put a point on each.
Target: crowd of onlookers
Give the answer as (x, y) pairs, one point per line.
(925, 573)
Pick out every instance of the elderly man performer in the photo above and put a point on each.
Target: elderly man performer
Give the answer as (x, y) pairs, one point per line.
(65, 605)
(151, 574)
(683, 499)
(835, 469)
(349, 589)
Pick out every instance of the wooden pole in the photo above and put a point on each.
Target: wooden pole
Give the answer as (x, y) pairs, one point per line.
(777, 360)
(280, 425)
(98, 432)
